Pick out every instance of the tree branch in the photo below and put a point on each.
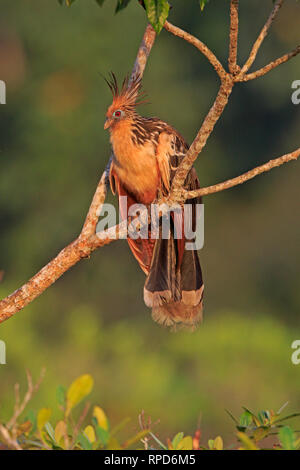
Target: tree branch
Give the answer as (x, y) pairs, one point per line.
(244, 177)
(9, 432)
(262, 36)
(199, 45)
(233, 37)
(267, 68)
(199, 142)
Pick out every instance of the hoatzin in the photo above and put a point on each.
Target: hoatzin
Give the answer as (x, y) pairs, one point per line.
(146, 153)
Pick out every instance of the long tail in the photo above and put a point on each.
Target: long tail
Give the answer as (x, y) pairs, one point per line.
(174, 285)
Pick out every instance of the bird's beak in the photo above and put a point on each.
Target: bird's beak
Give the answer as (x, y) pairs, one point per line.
(107, 123)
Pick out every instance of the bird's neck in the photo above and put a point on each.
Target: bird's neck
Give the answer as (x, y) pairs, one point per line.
(134, 159)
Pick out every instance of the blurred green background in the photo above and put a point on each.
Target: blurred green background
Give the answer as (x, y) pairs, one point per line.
(53, 150)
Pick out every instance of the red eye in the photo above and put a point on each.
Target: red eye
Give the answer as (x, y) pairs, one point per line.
(117, 113)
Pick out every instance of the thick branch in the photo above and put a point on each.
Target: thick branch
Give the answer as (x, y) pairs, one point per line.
(267, 68)
(206, 129)
(199, 45)
(233, 37)
(244, 177)
(262, 36)
(143, 52)
(91, 220)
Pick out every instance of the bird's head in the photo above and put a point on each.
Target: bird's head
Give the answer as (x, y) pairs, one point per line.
(125, 100)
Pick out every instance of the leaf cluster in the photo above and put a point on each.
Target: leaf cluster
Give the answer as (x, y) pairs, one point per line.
(157, 10)
(92, 429)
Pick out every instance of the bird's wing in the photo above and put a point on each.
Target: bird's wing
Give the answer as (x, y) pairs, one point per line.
(170, 151)
(142, 249)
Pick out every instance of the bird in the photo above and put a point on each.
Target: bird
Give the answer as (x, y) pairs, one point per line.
(145, 154)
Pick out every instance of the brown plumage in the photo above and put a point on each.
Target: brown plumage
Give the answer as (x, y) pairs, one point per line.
(146, 153)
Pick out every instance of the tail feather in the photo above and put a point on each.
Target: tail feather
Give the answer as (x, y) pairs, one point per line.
(174, 290)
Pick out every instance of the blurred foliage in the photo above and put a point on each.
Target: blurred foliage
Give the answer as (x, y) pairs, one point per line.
(38, 432)
(53, 150)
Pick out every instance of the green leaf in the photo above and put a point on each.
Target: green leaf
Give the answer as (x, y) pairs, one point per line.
(121, 4)
(101, 417)
(218, 443)
(101, 433)
(100, 2)
(84, 442)
(211, 443)
(185, 444)
(79, 389)
(254, 418)
(157, 12)
(50, 431)
(89, 432)
(245, 419)
(202, 4)
(42, 418)
(287, 438)
(264, 417)
(177, 439)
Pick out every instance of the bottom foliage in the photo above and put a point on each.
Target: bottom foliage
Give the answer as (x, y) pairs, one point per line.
(91, 430)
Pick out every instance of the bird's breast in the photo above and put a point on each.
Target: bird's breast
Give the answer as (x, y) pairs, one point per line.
(136, 167)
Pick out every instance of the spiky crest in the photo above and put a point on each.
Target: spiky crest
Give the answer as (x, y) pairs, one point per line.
(129, 95)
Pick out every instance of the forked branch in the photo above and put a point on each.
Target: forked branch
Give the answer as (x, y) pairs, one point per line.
(261, 36)
(233, 37)
(269, 67)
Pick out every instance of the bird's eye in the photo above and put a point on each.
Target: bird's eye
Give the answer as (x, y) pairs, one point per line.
(117, 113)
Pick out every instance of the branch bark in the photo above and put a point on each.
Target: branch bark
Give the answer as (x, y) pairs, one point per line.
(269, 67)
(244, 177)
(261, 37)
(233, 37)
(199, 45)
(205, 131)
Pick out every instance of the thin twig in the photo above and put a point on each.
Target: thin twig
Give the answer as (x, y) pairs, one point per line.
(244, 177)
(79, 423)
(199, 45)
(233, 37)
(261, 37)
(270, 66)
(8, 440)
(31, 390)
(10, 431)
